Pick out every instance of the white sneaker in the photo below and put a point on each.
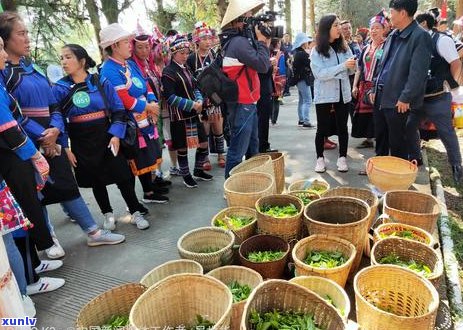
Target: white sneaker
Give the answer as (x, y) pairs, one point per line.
(320, 167)
(109, 221)
(342, 164)
(29, 306)
(105, 237)
(48, 265)
(45, 284)
(137, 219)
(56, 251)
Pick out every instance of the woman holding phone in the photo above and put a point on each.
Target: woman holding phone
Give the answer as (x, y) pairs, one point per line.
(331, 61)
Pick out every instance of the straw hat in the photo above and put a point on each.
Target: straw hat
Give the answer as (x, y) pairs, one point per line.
(113, 33)
(237, 8)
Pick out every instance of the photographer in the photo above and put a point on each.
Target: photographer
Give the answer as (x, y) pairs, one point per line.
(245, 55)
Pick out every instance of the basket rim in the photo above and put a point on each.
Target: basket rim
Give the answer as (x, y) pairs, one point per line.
(237, 267)
(216, 253)
(251, 210)
(287, 252)
(250, 160)
(174, 277)
(328, 238)
(168, 263)
(378, 229)
(432, 307)
(399, 191)
(328, 199)
(315, 180)
(281, 196)
(371, 159)
(340, 188)
(268, 176)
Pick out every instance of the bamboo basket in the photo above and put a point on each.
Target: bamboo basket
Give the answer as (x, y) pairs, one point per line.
(116, 301)
(258, 163)
(412, 208)
(410, 250)
(244, 189)
(308, 184)
(287, 228)
(365, 195)
(199, 239)
(418, 234)
(391, 173)
(344, 217)
(312, 195)
(270, 269)
(244, 276)
(171, 268)
(412, 300)
(178, 299)
(325, 288)
(278, 161)
(243, 233)
(324, 243)
(284, 296)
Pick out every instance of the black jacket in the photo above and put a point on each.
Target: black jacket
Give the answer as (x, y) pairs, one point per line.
(406, 80)
(301, 66)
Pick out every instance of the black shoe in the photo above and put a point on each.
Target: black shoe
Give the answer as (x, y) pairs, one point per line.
(143, 210)
(457, 174)
(308, 125)
(160, 190)
(189, 181)
(155, 198)
(160, 182)
(300, 123)
(201, 175)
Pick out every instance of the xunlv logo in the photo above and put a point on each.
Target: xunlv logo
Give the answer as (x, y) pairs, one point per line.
(20, 321)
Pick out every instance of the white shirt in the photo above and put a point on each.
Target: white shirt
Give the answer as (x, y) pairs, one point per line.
(447, 49)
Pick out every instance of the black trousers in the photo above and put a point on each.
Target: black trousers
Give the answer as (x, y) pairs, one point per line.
(264, 112)
(30, 258)
(325, 123)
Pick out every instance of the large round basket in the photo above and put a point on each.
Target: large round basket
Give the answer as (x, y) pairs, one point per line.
(390, 297)
(398, 229)
(270, 269)
(171, 268)
(196, 244)
(242, 275)
(244, 232)
(363, 194)
(244, 189)
(324, 243)
(344, 217)
(278, 161)
(412, 208)
(391, 173)
(284, 296)
(305, 196)
(115, 302)
(409, 250)
(259, 163)
(287, 228)
(327, 289)
(318, 185)
(177, 301)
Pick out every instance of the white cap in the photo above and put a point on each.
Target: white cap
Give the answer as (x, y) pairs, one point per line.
(237, 8)
(113, 33)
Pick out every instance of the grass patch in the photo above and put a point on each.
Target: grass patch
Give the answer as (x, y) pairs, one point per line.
(456, 227)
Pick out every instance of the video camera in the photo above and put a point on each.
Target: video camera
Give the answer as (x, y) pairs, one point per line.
(261, 21)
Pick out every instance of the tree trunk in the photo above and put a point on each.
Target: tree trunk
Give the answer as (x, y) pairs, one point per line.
(271, 5)
(221, 9)
(459, 8)
(304, 16)
(312, 16)
(110, 10)
(163, 18)
(10, 5)
(95, 20)
(288, 16)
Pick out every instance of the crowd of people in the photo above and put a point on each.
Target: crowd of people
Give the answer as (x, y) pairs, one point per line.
(107, 125)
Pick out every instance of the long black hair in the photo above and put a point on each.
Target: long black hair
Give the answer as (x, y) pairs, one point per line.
(81, 53)
(323, 37)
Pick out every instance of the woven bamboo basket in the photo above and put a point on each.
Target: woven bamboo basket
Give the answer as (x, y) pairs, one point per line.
(287, 228)
(243, 233)
(311, 195)
(278, 161)
(391, 173)
(271, 269)
(117, 301)
(318, 185)
(178, 299)
(410, 250)
(412, 208)
(171, 268)
(200, 239)
(365, 195)
(418, 234)
(324, 243)
(344, 217)
(411, 300)
(284, 296)
(327, 289)
(244, 276)
(259, 163)
(244, 189)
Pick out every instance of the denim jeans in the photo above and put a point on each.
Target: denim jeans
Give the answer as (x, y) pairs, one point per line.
(305, 100)
(438, 111)
(16, 262)
(77, 210)
(244, 134)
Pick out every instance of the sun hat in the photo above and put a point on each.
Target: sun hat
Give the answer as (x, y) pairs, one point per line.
(301, 38)
(178, 43)
(113, 33)
(237, 8)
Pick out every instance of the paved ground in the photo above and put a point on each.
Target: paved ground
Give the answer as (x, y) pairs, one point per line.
(90, 271)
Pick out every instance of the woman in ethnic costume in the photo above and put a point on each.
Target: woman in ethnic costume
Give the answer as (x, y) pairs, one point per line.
(212, 115)
(97, 120)
(140, 103)
(185, 105)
